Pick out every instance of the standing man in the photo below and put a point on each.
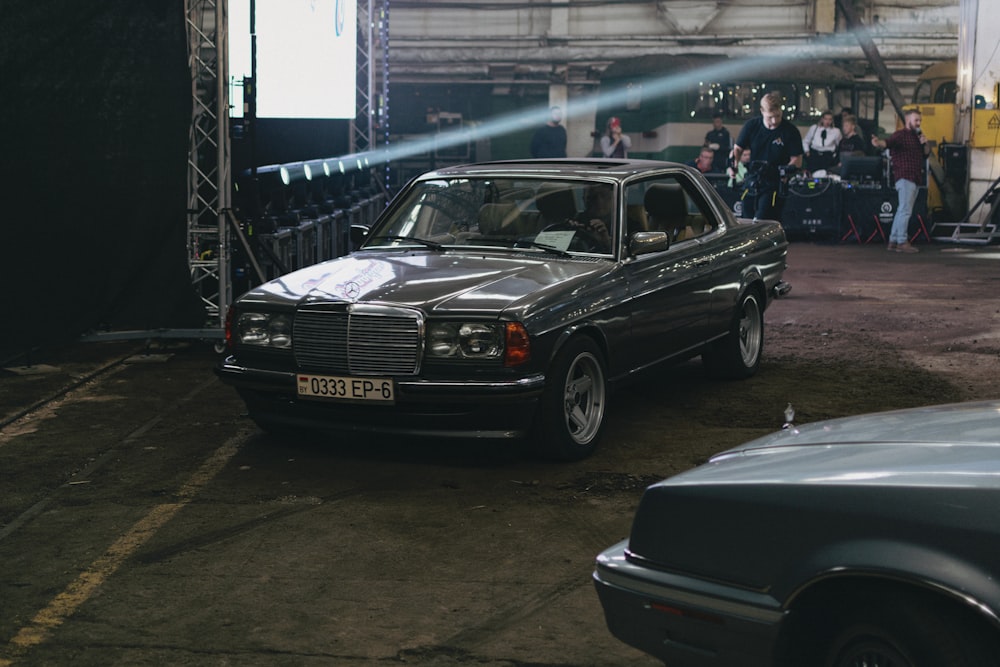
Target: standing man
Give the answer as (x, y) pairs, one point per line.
(776, 145)
(719, 140)
(550, 139)
(908, 151)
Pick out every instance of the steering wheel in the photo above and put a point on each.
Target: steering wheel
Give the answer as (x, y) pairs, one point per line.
(584, 239)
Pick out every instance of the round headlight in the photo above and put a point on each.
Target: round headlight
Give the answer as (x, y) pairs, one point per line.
(479, 340)
(442, 340)
(280, 331)
(251, 328)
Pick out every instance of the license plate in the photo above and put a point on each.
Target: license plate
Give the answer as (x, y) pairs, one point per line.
(346, 388)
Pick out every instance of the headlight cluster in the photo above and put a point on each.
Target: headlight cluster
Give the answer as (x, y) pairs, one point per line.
(478, 340)
(263, 329)
(465, 340)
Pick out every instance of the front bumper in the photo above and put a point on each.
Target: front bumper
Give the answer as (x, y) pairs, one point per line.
(684, 620)
(438, 408)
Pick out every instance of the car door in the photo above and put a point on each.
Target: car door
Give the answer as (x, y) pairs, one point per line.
(670, 290)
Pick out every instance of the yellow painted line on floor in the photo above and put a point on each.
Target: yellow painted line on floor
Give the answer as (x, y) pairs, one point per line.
(83, 587)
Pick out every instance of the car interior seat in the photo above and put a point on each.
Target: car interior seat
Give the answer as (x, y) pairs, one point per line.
(635, 217)
(666, 210)
(498, 218)
(555, 203)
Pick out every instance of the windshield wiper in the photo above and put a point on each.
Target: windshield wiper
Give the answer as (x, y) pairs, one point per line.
(547, 248)
(434, 245)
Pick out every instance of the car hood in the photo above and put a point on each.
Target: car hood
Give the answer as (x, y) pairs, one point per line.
(926, 446)
(433, 280)
(757, 512)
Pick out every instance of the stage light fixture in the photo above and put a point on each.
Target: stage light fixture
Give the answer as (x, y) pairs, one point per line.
(269, 176)
(293, 171)
(316, 169)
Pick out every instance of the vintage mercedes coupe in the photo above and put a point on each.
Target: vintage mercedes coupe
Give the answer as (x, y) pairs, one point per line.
(507, 299)
(870, 541)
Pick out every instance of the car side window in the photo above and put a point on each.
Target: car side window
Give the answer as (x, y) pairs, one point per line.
(700, 218)
(667, 204)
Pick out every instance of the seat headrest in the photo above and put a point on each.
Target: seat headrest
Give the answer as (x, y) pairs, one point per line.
(666, 204)
(493, 217)
(556, 202)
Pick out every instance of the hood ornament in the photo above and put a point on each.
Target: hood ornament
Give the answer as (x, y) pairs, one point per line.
(789, 417)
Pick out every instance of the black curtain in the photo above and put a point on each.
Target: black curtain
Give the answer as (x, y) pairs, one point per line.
(94, 111)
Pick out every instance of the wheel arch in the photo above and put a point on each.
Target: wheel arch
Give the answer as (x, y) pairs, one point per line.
(810, 620)
(914, 563)
(589, 329)
(753, 280)
(898, 570)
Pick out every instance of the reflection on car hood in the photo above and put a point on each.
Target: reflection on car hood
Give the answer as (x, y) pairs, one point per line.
(467, 281)
(947, 444)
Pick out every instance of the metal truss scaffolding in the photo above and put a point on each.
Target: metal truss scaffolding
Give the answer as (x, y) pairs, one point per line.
(362, 129)
(372, 114)
(209, 165)
(210, 220)
(383, 107)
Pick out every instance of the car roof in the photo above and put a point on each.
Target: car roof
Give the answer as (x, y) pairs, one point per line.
(603, 168)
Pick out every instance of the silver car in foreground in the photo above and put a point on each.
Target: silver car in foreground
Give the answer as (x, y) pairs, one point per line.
(864, 541)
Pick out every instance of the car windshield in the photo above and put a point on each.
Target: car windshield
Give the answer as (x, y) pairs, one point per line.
(544, 215)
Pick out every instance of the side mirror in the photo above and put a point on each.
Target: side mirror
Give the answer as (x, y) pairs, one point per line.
(642, 243)
(358, 235)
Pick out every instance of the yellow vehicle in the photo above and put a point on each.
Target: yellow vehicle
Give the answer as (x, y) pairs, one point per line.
(965, 136)
(935, 97)
(937, 84)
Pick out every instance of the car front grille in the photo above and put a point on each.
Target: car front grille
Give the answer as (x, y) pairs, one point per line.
(366, 340)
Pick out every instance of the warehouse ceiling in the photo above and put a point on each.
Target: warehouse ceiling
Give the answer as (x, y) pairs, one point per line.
(439, 41)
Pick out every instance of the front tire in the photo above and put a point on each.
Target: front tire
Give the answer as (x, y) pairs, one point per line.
(905, 631)
(737, 355)
(571, 412)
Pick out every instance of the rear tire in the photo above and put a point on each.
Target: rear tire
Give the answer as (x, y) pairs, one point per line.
(737, 355)
(571, 411)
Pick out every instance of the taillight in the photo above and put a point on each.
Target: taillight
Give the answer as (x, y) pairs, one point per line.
(230, 316)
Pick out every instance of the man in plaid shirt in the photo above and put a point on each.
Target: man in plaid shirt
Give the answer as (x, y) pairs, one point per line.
(907, 152)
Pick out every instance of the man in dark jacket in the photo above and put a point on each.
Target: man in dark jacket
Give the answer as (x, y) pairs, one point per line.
(776, 145)
(719, 140)
(550, 139)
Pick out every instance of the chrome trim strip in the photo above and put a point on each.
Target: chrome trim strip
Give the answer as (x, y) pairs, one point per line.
(530, 382)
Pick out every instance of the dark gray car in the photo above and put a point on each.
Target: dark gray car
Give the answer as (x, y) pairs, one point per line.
(860, 542)
(506, 299)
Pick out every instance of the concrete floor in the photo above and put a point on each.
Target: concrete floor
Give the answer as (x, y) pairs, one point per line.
(144, 521)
